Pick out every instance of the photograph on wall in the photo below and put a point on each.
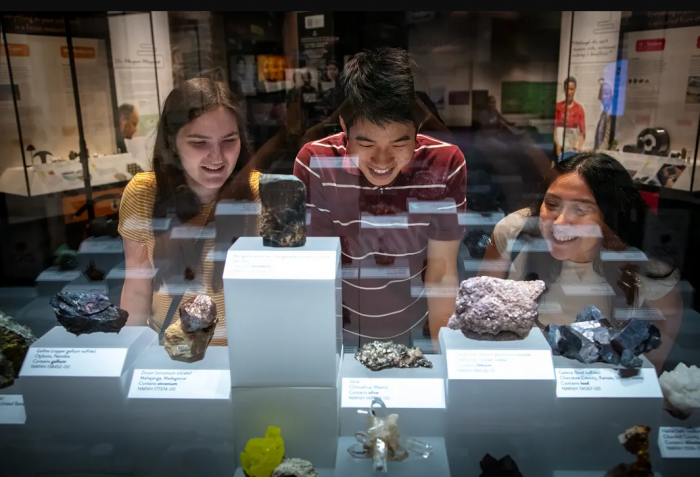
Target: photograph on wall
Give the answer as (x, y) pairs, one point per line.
(271, 72)
(669, 174)
(243, 74)
(302, 85)
(692, 94)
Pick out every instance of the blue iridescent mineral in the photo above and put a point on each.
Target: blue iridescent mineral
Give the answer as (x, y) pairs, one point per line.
(590, 313)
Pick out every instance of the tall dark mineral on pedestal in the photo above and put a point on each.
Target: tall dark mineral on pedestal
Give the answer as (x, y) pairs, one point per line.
(15, 341)
(283, 217)
(83, 313)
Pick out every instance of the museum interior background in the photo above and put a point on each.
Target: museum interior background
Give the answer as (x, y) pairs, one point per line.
(81, 96)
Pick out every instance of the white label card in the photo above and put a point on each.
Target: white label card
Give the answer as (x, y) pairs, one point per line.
(432, 207)
(86, 289)
(123, 273)
(350, 273)
(102, 246)
(638, 314)
(385, 272)
(397, 393)
(606, 383)
(180, 384)
(500, 364)
(434, 291)
(549, 307)
(604, 289)
(474, 218)
(12, 409)
(280, 265)
(630, 256)
(538, 245)
(384, 221)
(77, 362)
(491, 265)
(679, 442)
(58, 276)
(239, 208)
(189, 232)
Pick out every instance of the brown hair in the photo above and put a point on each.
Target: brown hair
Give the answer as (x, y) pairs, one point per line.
(174, 198)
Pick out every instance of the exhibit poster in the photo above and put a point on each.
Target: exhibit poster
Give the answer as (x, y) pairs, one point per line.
(137, 81)
(45, 102)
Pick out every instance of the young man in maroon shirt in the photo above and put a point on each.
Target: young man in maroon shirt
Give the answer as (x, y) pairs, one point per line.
(394, 197)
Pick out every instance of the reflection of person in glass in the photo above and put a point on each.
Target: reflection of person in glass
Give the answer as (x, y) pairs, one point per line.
(128, 125)
(240, 70)
(378, 166)
(603, 131)
(569, 122)
(591, 205)
(200, 140)
(491, 119)
(333, 95)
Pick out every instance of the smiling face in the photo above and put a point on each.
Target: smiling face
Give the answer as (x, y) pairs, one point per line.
(570, 219)
(209, 147)
(382, 151)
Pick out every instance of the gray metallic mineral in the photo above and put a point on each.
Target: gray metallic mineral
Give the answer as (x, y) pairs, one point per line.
(83, 313)
(295, 468)
(15, 341)
(385, 354)
(488, 306)
(187, 339)
(283, 217)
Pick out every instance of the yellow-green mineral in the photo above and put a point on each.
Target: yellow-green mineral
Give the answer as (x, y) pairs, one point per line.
(262, 455)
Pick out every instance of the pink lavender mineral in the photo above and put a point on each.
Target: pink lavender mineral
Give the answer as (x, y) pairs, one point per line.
(491, 308)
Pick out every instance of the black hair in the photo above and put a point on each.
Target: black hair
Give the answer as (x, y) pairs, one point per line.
(174, 198)
(568, 80)
(379, 88)
(626, 218)
(126, 110)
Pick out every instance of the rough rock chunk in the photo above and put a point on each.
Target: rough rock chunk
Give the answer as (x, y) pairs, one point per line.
(385, 354)
(681, 387)
(283, 216)
(488, 306)
(83, 313)
(477, 241)
(187, 339)
(591, 338)
(15, 340)
(503, 467)
(93, 273)
(295, 468)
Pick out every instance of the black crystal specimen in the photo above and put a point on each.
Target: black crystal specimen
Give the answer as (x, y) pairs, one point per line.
(283, 216)
(504, 467)
(477, 241)
(591, 338)
(83, 313)
(93, 273)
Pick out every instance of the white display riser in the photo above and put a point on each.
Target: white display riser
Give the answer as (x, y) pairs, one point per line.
(420, 419)
(308, 418)
(285, 298)
(52, 280)
(414, 466)
(322, 472)
(107, 252)
(63, 401)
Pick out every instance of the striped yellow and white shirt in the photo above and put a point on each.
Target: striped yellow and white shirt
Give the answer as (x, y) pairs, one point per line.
(135, 223)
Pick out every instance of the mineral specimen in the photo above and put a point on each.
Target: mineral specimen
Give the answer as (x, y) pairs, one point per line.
(283, 217)
(93, 273)
(477, 241)
(295, 468)
(262, 455)
(385, 354)
(66, 258)
(636, 442)
(15, 341)
(504, 467)
(492, 308)
(82, 313)
(681, 387)
(187, 339)
(382, 441)
(591, 338)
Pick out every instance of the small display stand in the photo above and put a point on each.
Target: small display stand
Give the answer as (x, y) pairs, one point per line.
(414, 466)
(500, 396)
(53, 279)
(287, 299)
(106, 252)
(179, 410)
(417, 395)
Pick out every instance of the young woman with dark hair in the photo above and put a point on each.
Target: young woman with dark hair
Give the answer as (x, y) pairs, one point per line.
(590, 207)
(200, 157)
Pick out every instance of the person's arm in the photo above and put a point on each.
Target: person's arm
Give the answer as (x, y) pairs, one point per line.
(441, 282)
(137, 292)
(671, 306)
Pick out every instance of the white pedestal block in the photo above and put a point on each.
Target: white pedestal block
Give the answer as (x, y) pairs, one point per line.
(322, 472)
(491, 409)
(308, 418)
(600, 421)
(94, 386)
(12, 406)
(52, 280)
(417, 395)
(414, 466)
(107, 252)
(282, 316)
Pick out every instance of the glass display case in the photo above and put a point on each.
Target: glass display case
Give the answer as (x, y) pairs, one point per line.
(435, 258)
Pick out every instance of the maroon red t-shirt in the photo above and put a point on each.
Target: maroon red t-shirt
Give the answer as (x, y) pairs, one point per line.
(384, 231)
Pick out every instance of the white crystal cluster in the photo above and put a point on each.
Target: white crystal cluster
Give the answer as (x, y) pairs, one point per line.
(681, 387)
